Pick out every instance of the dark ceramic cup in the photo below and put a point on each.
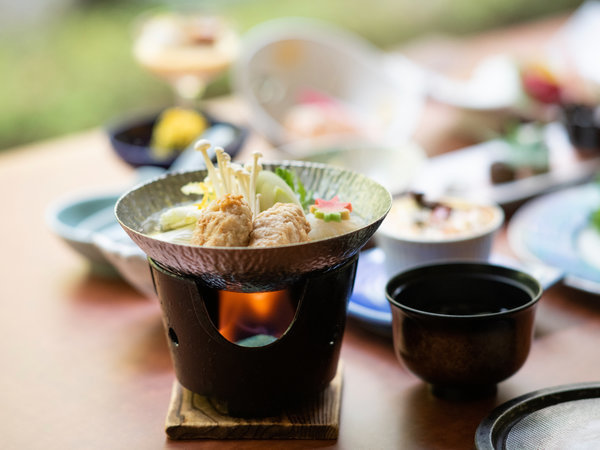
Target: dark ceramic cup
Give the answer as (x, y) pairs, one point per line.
(463, 327)
(583, 126)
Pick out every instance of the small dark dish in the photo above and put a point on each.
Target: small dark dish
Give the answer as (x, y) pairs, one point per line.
(130, 139)
(583, 125)
(463, 327)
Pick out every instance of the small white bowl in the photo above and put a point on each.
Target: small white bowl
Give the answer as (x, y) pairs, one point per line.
(403, 251)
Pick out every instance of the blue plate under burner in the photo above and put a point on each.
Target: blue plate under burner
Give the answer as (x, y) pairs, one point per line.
(368, 303)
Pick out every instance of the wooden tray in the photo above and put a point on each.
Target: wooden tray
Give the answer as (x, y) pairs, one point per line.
(193, 416)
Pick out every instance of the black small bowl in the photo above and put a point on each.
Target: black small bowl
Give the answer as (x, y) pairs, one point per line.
(583, 125)
(463, 327)
(130, 139)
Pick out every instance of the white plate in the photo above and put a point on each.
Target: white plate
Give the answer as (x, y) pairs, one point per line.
(494, 84)
(583, 28)
(466, 173)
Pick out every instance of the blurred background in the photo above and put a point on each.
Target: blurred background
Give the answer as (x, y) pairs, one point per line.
(67, 65)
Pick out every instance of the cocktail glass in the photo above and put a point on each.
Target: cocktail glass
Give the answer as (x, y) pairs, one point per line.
(187, 49)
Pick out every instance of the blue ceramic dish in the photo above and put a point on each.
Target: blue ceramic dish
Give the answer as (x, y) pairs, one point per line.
(552, 229)
(75, 219)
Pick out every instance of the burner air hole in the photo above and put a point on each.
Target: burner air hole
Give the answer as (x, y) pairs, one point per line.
(173, 337)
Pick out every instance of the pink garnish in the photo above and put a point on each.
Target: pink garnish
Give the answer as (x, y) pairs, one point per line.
(313, 97)
(541, 84)
(331, 210)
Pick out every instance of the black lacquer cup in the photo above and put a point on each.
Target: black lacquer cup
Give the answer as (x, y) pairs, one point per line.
(583, 126)
(463, 327)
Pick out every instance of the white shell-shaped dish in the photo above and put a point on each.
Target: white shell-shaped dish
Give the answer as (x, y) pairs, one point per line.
(284, 56)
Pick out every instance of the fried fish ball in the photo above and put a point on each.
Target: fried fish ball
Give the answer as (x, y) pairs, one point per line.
(225, 222)
(283, 223)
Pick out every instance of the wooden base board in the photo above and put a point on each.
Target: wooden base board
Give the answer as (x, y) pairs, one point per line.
(192, 416)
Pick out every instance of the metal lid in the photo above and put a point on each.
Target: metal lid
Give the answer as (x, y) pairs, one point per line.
(554, 418)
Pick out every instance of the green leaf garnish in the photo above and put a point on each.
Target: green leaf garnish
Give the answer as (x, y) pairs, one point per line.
(292, 180)
(595, 219)
(595, 215)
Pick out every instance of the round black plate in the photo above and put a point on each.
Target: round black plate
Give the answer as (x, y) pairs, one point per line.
(554, 418)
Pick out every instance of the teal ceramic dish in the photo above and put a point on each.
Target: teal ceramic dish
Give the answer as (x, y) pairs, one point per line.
(75, 219)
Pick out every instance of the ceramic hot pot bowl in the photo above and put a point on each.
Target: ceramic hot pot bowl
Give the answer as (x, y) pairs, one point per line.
(255, 269)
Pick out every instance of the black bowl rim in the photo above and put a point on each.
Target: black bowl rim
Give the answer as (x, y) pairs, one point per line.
(469, 268)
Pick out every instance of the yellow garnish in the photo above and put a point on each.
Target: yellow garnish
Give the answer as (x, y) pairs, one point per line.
(200, 188)
(542, 70)
(175, 129)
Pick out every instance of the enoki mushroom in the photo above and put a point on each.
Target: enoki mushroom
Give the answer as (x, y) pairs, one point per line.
(232, 178)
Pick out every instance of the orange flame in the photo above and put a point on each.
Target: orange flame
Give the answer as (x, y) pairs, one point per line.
(245, 315)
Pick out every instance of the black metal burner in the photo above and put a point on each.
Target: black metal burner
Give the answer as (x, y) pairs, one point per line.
(256, 381)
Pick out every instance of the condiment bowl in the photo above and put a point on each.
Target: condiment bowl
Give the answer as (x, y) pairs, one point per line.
(404, 249)
(463, 327)
(130, 138)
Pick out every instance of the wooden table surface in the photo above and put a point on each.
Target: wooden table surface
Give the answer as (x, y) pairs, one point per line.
(84, 359)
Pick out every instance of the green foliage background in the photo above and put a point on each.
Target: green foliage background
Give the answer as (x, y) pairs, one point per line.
(76, 71)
